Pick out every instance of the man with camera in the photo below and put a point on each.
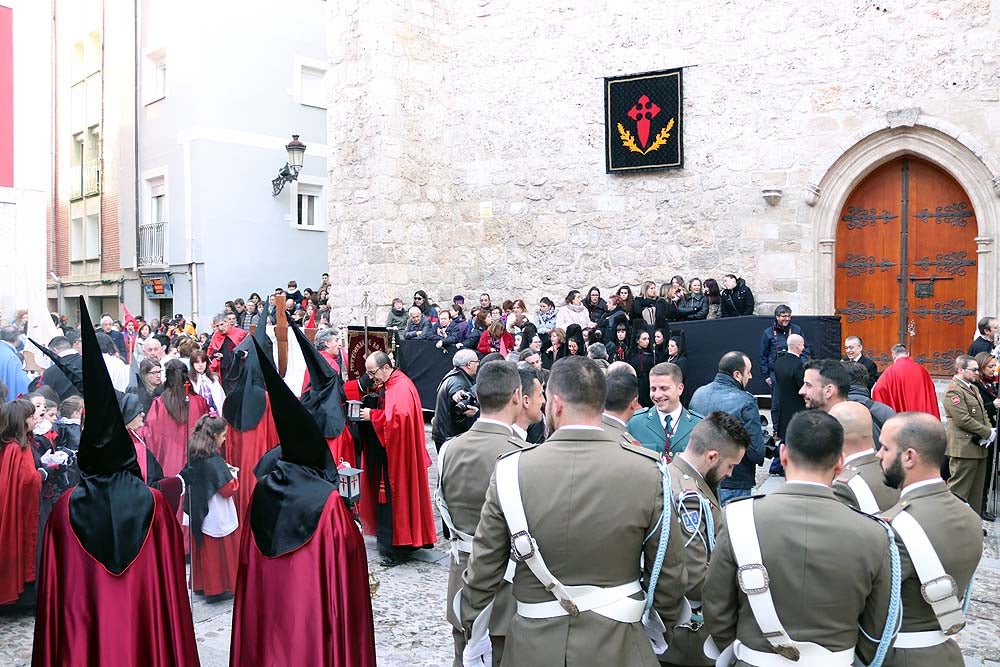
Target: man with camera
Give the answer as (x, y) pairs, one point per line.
(456, 407)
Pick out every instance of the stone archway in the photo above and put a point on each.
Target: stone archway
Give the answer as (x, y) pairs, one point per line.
(907, 132)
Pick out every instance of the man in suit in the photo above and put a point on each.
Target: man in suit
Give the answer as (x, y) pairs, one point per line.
(788, 373)
(860, 485)
(969, 433)
(716, 446)
(621, 401)
(586, 515)
(466, 465)
(854, 350)
(984, 342)
(116, 336)
(786, 553)
(913, 449)
(665, 427)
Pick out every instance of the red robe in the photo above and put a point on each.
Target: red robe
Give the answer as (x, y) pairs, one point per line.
(235, 336)
(243, 451)
(213, 563)
(88, 616)
(905, 386)
(168, 439)
(310, 606)
(330, 359)
(20, 491)
(400, 428)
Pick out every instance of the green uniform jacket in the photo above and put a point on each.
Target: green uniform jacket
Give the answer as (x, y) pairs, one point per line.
(968, 422)
(828, 567)
(645, 425)
(955, 531)
(468, 468)
(686, 646)
(869, 468)
(590, 502)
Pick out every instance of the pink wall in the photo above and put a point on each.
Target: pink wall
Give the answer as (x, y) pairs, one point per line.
(6, 97)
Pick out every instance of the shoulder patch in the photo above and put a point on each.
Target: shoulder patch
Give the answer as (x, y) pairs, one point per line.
(648, 453)
(956, 400)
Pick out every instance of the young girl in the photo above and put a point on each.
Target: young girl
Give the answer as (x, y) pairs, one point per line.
(618, 348)
(205, 383)
(20, 488)
(642, 361)
(211, 513)
(496, 339)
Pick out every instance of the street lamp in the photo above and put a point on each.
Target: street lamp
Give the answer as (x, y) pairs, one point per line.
(290, 172)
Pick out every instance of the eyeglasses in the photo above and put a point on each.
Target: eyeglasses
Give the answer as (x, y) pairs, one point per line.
(972, 370)
(155, 371)
(418, 298)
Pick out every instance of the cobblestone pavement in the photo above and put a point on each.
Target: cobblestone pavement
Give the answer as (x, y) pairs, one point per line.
(410, 629)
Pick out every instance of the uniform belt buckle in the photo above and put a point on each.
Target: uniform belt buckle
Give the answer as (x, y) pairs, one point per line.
(515, 553)
(570, 607)
(750, 582)
(939, 589)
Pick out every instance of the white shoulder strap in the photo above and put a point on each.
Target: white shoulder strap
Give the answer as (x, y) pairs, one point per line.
(752, 575)
(460, 541)
(864, 495)
(937, 587)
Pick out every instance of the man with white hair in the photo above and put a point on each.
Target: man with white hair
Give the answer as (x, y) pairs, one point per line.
(418, 327)
(328, 344)
(116, 336)
(455, 409)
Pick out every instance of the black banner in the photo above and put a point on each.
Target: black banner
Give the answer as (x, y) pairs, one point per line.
(642, 119)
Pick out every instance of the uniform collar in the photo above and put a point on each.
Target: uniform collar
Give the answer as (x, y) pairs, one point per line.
(614, 419)
(675, 416)
(519, 432)
(855, 456)
(919, 485)
(813, 489)
(493, 422)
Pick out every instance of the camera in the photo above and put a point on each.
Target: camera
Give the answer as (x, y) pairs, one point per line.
(466, 400)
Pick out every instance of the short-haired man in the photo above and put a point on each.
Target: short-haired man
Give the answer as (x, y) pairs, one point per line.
(107, 326)
(665, 427)
(418, 325)
(827, 383)
(532, 405)
(455, 406)
(789, 372)
(60, 375)
(466, 465)
(621, 402)
(860, 485)
(940, 542)
(328, 344)
(603, 545)
(779, 590)
(242, 314)
(485, 302)
(854, 350)
(969, 433)
(727, 393)
(221, 349)
(773, 344)
(716, 446)
(986, 340)
(906, 386)
(448, 332)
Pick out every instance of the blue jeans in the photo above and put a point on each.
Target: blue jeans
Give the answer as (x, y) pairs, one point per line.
(725, 495)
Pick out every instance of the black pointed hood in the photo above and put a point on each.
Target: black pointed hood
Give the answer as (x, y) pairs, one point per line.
(72, 374)
(111, 508)
(324, 399)
(244, 406)
(289, 500)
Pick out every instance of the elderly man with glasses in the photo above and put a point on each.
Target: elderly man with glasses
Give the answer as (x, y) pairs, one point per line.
(969, 433)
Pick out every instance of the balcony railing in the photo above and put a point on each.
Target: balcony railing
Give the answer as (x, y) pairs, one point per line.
(151, 244)
(91, 177)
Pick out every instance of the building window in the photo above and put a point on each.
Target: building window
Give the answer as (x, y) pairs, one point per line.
(309, 82)
(307, 210)
(85, 238)
(156, 76)
(159, 208)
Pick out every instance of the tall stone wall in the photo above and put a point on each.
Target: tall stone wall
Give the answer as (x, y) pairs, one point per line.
(466, 138)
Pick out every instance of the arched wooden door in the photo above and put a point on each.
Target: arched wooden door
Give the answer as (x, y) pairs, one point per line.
(906, 264)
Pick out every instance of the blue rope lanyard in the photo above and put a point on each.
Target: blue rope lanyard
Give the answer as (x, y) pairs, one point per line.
(892, 618)
(661, 550)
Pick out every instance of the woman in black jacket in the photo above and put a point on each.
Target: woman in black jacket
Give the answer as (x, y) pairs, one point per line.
(557, 348)
(642, 361)
(649, 310)
(617, 345)
(695, 304)
(596, 306)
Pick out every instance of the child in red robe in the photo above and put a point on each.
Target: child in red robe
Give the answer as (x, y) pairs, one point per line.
(20, 488)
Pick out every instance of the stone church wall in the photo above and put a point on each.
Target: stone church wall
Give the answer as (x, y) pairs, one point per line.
(467, 137)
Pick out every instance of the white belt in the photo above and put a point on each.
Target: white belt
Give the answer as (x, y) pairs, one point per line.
(920, 639)
(613, 603)
(811, 654)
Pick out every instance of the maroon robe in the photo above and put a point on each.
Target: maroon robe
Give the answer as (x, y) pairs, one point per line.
(167, 439)
(214, 561)
(20, 491)
(309, 606)
(905, 386)
(400, 428)
(244, 449)
(88, 616)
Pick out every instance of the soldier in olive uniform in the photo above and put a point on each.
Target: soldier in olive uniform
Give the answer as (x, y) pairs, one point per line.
(716, 446)
(860, 485)
(969, 433)
(940, 542)
(585, 513)
(796, 576)
(466, 465)
(621, 402)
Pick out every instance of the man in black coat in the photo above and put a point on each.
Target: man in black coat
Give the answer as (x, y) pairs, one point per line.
(988, 327)
(854, 349)
(788, 374)
(63, 382)
(116, 336)
(737, 299)
(454, 392)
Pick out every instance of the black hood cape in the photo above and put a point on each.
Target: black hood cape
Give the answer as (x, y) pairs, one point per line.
(245, 406)
(111, 509)
(325, 397)
(288, 502)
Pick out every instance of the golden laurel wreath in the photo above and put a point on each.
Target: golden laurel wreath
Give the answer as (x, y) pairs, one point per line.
(628, 141)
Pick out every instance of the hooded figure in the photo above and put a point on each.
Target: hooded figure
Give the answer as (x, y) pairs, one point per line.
(303, 564)
(111, 541)
(64, 375)
(247, 410)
